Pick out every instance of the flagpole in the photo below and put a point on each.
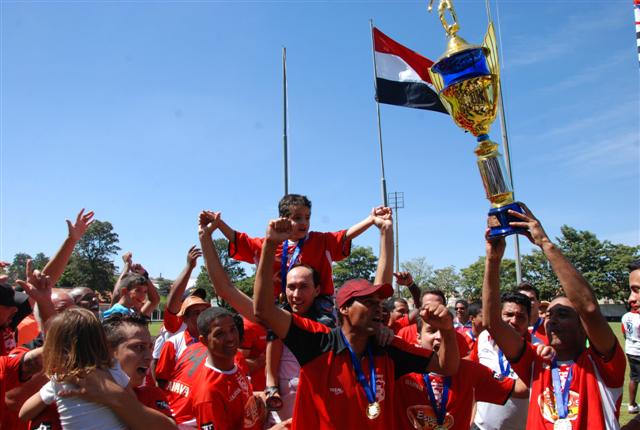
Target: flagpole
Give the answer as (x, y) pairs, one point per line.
(284, 125)
(375, 86)
(505, 141)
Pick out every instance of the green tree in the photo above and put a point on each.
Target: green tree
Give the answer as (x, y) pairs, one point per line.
(473, 275)
(233, 268)
(447, 280)
(361, 263)
(91, 264)
(18, 267)
(163, 285)
(420, 270)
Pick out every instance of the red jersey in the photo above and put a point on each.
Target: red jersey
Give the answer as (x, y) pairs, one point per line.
(171, 322)
(319, 251)
(9, 376)
(471, 340)
(410, 335)
(154, 398)
(594, 394)
(255, 342)
(49, 419)
(399, 324)
(329, 395)
(182, 380)
(171, 351)
(223, 400)
(473, 382)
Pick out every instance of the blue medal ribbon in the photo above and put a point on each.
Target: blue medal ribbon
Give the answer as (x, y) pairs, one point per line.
(369, 386)
(284, 267)
(504, 370)
(441, 412)
(560, 393)
(536, 326)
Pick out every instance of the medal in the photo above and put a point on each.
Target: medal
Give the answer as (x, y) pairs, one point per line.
(441, 412)
(504, 370)
(561, 395)
(562, 424)
(373, 410)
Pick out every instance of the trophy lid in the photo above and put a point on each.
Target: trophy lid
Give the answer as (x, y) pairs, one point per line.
(455, 45)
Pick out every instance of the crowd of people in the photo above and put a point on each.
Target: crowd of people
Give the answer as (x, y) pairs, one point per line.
(301, 354)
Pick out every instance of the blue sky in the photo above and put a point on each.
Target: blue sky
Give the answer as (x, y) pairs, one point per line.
(148, 112)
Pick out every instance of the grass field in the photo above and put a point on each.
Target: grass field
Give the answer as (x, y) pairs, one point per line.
(624, 415)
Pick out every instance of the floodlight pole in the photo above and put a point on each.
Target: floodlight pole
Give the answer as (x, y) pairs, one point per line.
(396, 201)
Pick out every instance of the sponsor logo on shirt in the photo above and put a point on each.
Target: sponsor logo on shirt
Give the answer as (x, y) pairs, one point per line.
(336, 390)
(178, 388)
(424, 417)
(207, 426)
(161, 404)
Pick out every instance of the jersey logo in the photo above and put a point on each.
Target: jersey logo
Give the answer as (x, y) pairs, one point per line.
(161, 404)
(424, 417)
(207, 426)
(43, 426)
(547, 404)
(336, 390)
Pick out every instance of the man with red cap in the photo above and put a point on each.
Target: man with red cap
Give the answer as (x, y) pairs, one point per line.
(346, 378)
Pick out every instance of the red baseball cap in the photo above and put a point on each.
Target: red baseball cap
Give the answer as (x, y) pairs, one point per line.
(360, 288)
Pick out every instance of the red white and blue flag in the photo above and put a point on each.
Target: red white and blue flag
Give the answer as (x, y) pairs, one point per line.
(402, 76)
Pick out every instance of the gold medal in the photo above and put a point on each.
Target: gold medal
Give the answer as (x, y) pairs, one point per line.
(562, 424)
(373, 410)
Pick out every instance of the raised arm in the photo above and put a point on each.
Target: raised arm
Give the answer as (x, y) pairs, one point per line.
(505, 336)
(575, 287)
(153, 298)
(439, 317)
(127, 259)
(362, 226)
(208, 222)
(278, 320)
(224, 228)
(38, 288)
(405, 278)
(174, 299)
(383, 219)
(55, 267)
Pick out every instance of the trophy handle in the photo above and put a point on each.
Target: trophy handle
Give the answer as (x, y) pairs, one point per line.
(443, 6)
(491, 51)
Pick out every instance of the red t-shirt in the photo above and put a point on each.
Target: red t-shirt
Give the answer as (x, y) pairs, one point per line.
(319, 251)
(224, 400)
(399, 324)
(9, 376)
(255, 341)
(154, 398)
(410, 335)
(172, 349)
(329, 395)
(171, 322)
(473, 382)
(49, 419)
(182, 380)
(595, 391)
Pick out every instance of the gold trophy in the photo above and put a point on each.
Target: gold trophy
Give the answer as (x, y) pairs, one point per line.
(467, 79)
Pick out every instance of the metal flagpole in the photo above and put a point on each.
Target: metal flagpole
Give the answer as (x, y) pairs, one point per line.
(505, 140)
(284, 125)
(375, 86)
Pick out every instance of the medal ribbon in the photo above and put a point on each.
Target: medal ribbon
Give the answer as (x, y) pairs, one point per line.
(441, 412)
(536, 326)
(370, 386)
(470, 333)
(504, 370)
(284, 267)
(560, 393)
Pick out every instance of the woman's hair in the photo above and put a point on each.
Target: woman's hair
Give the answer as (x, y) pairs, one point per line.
(74, 345)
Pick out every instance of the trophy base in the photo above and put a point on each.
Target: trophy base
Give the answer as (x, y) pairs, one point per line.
(499, 219)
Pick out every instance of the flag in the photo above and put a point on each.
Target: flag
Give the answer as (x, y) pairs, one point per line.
(402, 76)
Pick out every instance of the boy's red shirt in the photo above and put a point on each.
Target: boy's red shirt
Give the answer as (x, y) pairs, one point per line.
(319, 251)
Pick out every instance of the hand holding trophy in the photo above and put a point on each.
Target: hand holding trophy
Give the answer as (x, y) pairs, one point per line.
(467, 78)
